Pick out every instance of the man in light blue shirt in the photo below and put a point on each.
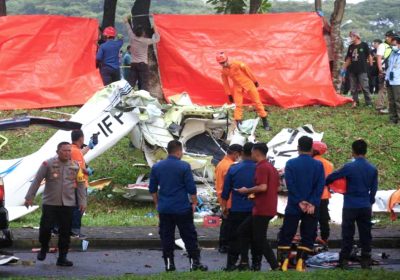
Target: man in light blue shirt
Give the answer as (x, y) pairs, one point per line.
(126, 62)
(393, 81)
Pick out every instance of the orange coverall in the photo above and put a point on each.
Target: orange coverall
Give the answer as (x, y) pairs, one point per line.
(220, 172)
(77, 156)
(328, 168)
(243, 82)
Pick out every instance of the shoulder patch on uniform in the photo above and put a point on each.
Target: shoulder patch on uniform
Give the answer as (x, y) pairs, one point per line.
(45, 163)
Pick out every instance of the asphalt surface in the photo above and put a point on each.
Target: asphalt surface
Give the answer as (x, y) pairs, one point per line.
(148, 237)
(121, 262)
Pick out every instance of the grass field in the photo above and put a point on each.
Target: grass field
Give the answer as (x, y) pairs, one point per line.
(340, 125)
(291, 275)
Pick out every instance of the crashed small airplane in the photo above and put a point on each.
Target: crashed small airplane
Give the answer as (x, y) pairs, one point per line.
(113, 113)
(206, 132)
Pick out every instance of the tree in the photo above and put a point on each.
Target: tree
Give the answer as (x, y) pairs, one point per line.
(336, 39)
(3, 8)
(110, 7)
(239, 6)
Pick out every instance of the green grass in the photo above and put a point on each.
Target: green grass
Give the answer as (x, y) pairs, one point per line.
(321, 274)
(340, 125)
(104, 212)
(290, 275)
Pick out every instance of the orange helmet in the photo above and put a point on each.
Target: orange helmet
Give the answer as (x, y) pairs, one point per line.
(109, 32)
(319, 147)
(221, 57)
(339, 186)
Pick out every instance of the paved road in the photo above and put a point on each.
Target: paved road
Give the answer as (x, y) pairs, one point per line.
(120, 262)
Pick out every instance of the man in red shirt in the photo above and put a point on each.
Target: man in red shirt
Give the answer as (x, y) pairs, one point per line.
(265, 194)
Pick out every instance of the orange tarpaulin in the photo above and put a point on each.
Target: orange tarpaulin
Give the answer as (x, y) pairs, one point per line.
(286, 52)
(47, 61)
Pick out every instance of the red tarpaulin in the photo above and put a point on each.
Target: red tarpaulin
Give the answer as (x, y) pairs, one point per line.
(47, 61)
(286, 52)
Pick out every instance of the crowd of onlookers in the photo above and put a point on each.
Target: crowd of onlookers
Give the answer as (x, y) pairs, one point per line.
(374, 69)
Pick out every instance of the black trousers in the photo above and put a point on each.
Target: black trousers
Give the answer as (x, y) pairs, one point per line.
(324, 219)
(351, 216)
(109, 74)
(187, 231)
(139, 73)
(308, 229)
(61, 215)
(223, 234)
(239, 244)
(255, 228)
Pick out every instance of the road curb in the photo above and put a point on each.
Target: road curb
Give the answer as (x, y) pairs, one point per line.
(106, 243)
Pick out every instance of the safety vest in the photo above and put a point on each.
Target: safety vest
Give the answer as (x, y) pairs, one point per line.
(387, 53)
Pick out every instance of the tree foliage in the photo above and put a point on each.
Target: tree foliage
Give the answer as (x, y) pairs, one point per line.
(371, 17)
(239, 6)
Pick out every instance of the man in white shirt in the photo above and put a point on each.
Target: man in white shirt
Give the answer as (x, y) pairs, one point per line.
(139, 49)
(392, 78)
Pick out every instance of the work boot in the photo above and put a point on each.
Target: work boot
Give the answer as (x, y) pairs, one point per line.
(63, 261)
(256, 263)
(243, 266)
(366, 261)
(266, 124)
(169, 264)
(231, 262)
(343, 262)
(195, 264)
(301, 257)
(41, 255)
(283, 257)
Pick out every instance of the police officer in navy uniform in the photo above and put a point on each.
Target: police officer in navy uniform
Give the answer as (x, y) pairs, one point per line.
(171, 184)
(61, 176)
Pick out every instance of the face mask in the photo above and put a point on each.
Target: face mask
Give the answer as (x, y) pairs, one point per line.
(395, 48)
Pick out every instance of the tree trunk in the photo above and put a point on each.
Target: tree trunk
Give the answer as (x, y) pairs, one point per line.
(110, 7)
(3, 8)
(336, 41)
(254, 6)
(140, 16)
(318, 5)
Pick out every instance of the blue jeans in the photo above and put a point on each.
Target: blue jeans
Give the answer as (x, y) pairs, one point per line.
(76, 217)
(109, 74)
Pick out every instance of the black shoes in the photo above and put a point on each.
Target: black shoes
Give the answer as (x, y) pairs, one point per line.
(195, 265)
(63, 261)
(169, 264)
(41, 256)
(266, 124)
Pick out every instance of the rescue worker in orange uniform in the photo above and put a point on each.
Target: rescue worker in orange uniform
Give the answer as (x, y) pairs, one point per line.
(244, 83)
(319, 149)
(78, 150)
(232, 155)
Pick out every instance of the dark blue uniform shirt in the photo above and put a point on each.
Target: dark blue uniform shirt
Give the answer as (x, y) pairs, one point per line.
(108, 53)
(173, 179)
(239, 175)
(362, 183)
(305, 180)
